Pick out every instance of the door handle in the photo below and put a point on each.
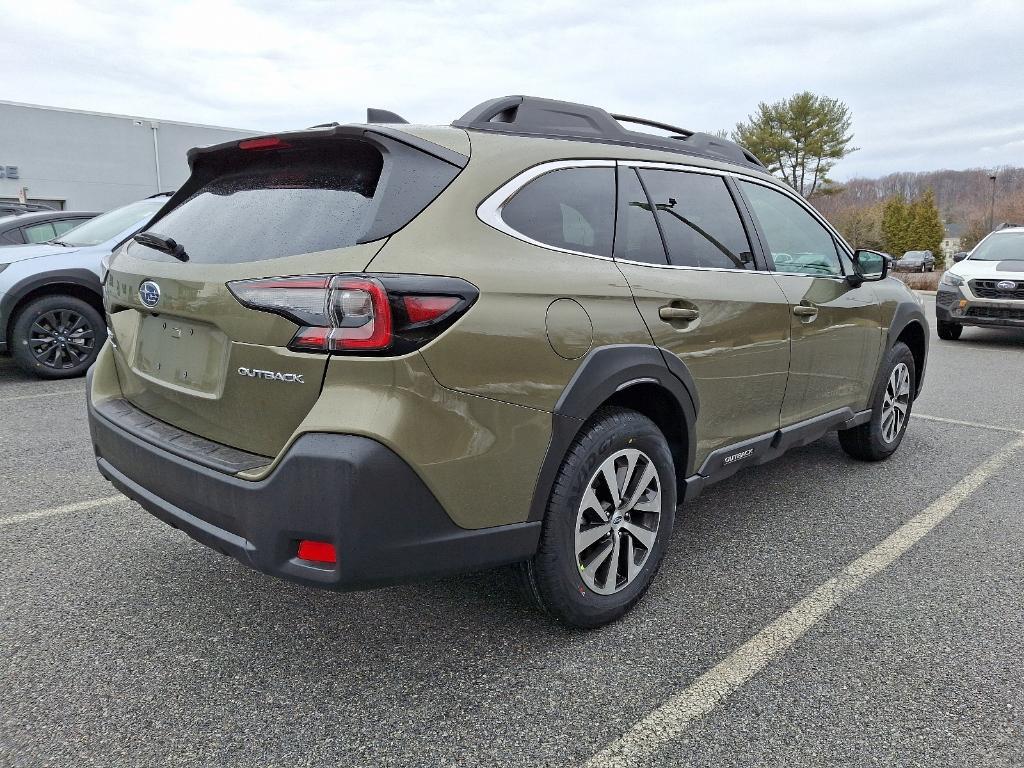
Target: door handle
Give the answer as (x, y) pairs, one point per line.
(678, 313)
(802, 310)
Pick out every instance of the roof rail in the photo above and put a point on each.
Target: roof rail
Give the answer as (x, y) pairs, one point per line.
(547, 118)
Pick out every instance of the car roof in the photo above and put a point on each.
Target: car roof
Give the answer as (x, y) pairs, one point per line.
(21, 219)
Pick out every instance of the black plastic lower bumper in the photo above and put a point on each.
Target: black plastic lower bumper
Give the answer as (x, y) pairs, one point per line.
(386, 525)
(948, 309)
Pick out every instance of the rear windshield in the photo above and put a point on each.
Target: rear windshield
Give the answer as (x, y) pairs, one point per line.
(278, 203)
(110, 225)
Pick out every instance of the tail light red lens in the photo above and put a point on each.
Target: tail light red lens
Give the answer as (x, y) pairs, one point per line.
(422, 309)
(360, 313)
(317, 551)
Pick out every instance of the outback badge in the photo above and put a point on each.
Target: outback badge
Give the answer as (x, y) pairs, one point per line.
(256, 373)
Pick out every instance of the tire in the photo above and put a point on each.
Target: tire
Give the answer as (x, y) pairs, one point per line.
(558, 578)
(879, 438)
(949, 331)
(57, 337)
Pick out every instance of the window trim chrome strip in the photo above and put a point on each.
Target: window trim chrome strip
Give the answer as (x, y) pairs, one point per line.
(489, 211)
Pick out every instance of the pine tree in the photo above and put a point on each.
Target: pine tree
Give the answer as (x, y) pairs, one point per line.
(925, 229)
(895, 221)
(800, 138)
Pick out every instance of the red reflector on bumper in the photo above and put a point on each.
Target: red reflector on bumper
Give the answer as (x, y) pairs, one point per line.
(317, 551)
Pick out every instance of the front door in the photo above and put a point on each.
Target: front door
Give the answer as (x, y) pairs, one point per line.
(707, 302)
(836, 326)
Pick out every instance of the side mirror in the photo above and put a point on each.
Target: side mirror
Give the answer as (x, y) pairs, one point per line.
(868, 266)
(958, 257)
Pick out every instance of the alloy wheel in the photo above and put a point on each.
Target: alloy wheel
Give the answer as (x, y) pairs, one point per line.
(896, 402)
(61, 339)
(617, 522)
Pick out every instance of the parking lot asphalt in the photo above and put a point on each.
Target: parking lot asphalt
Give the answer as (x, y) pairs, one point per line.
(123, 642)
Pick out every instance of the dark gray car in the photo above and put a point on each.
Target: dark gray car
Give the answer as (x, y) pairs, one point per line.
(916, 261)
(41, 227)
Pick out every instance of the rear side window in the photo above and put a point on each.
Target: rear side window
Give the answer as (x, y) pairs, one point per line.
(571, 208)
(699, 219)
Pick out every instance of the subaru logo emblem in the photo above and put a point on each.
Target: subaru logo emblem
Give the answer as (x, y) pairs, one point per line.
(149, 293)
(1006, 285)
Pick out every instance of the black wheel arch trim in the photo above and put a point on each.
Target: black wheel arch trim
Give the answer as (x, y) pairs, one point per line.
(603, 372)
(80, 278)
(906, 315)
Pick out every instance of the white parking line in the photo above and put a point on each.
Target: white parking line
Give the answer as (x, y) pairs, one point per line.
(79, 392)
(713, 687)
(958, 422)
(80, 506)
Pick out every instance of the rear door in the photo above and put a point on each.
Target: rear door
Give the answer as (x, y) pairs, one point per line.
(708, 301)
(836, 327)
(188, 352)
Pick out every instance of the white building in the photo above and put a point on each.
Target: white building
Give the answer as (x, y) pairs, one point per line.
(951, 240)
(75, 160)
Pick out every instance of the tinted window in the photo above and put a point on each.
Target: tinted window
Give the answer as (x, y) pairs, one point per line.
(797, 241)
(636, 234)
(699, 218)
(573, 208)
(277, 204)
(39, 233)
(113, 223)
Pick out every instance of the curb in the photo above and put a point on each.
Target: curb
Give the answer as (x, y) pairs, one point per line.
(924, 293)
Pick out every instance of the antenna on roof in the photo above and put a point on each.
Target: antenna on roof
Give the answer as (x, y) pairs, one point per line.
(383, 116)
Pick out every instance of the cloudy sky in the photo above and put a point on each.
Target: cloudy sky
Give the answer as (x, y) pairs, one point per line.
(931, 83)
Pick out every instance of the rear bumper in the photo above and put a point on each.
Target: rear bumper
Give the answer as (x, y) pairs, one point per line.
(386, 525)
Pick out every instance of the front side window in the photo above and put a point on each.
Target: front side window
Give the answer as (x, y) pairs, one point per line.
(60, 227)
(798, 243)
(571, 208)
(699, 220)
(39, 233)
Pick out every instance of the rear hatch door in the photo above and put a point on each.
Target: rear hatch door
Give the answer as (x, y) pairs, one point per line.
(188, 353)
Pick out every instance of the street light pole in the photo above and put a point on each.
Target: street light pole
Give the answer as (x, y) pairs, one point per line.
(992, 207)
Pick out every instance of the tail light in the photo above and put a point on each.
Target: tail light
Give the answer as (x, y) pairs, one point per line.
(360, 313)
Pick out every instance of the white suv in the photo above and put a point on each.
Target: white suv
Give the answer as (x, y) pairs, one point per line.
(984, 288)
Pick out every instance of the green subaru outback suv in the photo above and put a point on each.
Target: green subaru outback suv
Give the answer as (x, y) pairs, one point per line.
(357, 355)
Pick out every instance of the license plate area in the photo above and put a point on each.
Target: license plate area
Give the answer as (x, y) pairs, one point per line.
(182, 355)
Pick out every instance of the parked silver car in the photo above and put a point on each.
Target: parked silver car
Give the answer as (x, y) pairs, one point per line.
(51, 296)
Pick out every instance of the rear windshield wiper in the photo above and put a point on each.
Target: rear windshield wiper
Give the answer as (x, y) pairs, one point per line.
(161, 243)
